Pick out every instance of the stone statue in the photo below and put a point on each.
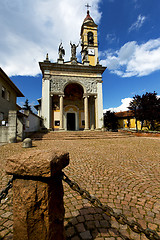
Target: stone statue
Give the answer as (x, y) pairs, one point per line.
(73, 50)
(61, 51)
(85, 54)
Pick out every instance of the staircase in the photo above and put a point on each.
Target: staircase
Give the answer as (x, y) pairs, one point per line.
(77, 135)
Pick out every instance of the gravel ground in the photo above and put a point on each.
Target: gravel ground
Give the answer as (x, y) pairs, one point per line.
(122, 171)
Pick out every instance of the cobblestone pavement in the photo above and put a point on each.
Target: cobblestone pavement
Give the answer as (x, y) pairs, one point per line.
(122, 171)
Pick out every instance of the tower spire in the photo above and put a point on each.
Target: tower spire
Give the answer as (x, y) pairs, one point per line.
(89, 40)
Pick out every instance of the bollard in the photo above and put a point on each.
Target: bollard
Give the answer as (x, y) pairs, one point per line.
(27, 143)
(38, 208)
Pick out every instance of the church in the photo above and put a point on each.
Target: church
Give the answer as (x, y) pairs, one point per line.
(72, 91)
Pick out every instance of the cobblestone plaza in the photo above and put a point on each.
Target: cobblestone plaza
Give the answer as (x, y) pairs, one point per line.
(121, 170)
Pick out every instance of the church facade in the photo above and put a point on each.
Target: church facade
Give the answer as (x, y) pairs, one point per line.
(72, 91)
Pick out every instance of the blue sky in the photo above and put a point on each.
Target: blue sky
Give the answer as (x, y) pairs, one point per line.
(129, 43)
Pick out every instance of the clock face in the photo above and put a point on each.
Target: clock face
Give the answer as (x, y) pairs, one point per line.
(91, 51)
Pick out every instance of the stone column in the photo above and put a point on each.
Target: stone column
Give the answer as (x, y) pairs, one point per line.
(86, 112)
(96, 112)
(92, 113)
(99, 105)
(38, 208)
(61, 111)
(12, 126)
(51, 112)
(46, 101)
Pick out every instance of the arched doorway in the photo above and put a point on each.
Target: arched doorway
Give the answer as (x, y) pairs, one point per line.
(73, 107)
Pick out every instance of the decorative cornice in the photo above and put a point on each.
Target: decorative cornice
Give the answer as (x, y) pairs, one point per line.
(71, 68)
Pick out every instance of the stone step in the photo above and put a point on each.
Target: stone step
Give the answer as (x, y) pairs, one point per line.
(78, 135)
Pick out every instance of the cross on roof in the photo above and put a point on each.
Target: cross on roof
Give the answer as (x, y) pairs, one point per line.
(87, 6)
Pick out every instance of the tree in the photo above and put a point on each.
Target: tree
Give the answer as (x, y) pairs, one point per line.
(151, 108)
(146, 107)
(26, 105)
(135, 106)
(110, 120)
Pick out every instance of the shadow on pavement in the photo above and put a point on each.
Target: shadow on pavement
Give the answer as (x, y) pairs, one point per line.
(91, 223)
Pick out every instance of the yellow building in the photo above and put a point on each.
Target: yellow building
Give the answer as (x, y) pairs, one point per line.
(126, 120)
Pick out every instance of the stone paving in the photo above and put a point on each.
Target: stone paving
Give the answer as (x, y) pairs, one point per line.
(122, 171)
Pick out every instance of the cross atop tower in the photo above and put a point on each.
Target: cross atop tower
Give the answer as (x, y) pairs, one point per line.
(87, 6)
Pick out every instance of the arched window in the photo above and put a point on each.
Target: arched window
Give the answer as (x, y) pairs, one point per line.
(90, 38)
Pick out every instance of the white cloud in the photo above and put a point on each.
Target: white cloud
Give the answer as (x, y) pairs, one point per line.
(111, 37)
(30, 29)
(123, 107)
(133, 59)
(138, 24)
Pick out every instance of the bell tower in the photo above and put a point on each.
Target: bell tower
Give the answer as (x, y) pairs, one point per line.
(89, 41)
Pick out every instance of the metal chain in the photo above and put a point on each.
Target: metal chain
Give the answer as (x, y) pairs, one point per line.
(4, 192)
(120, 218)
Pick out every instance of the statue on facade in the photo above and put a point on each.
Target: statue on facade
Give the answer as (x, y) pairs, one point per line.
(85, 54)
(61, 51)
(73, 50)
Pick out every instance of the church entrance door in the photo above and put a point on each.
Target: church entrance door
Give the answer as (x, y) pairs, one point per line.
(71, 121)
